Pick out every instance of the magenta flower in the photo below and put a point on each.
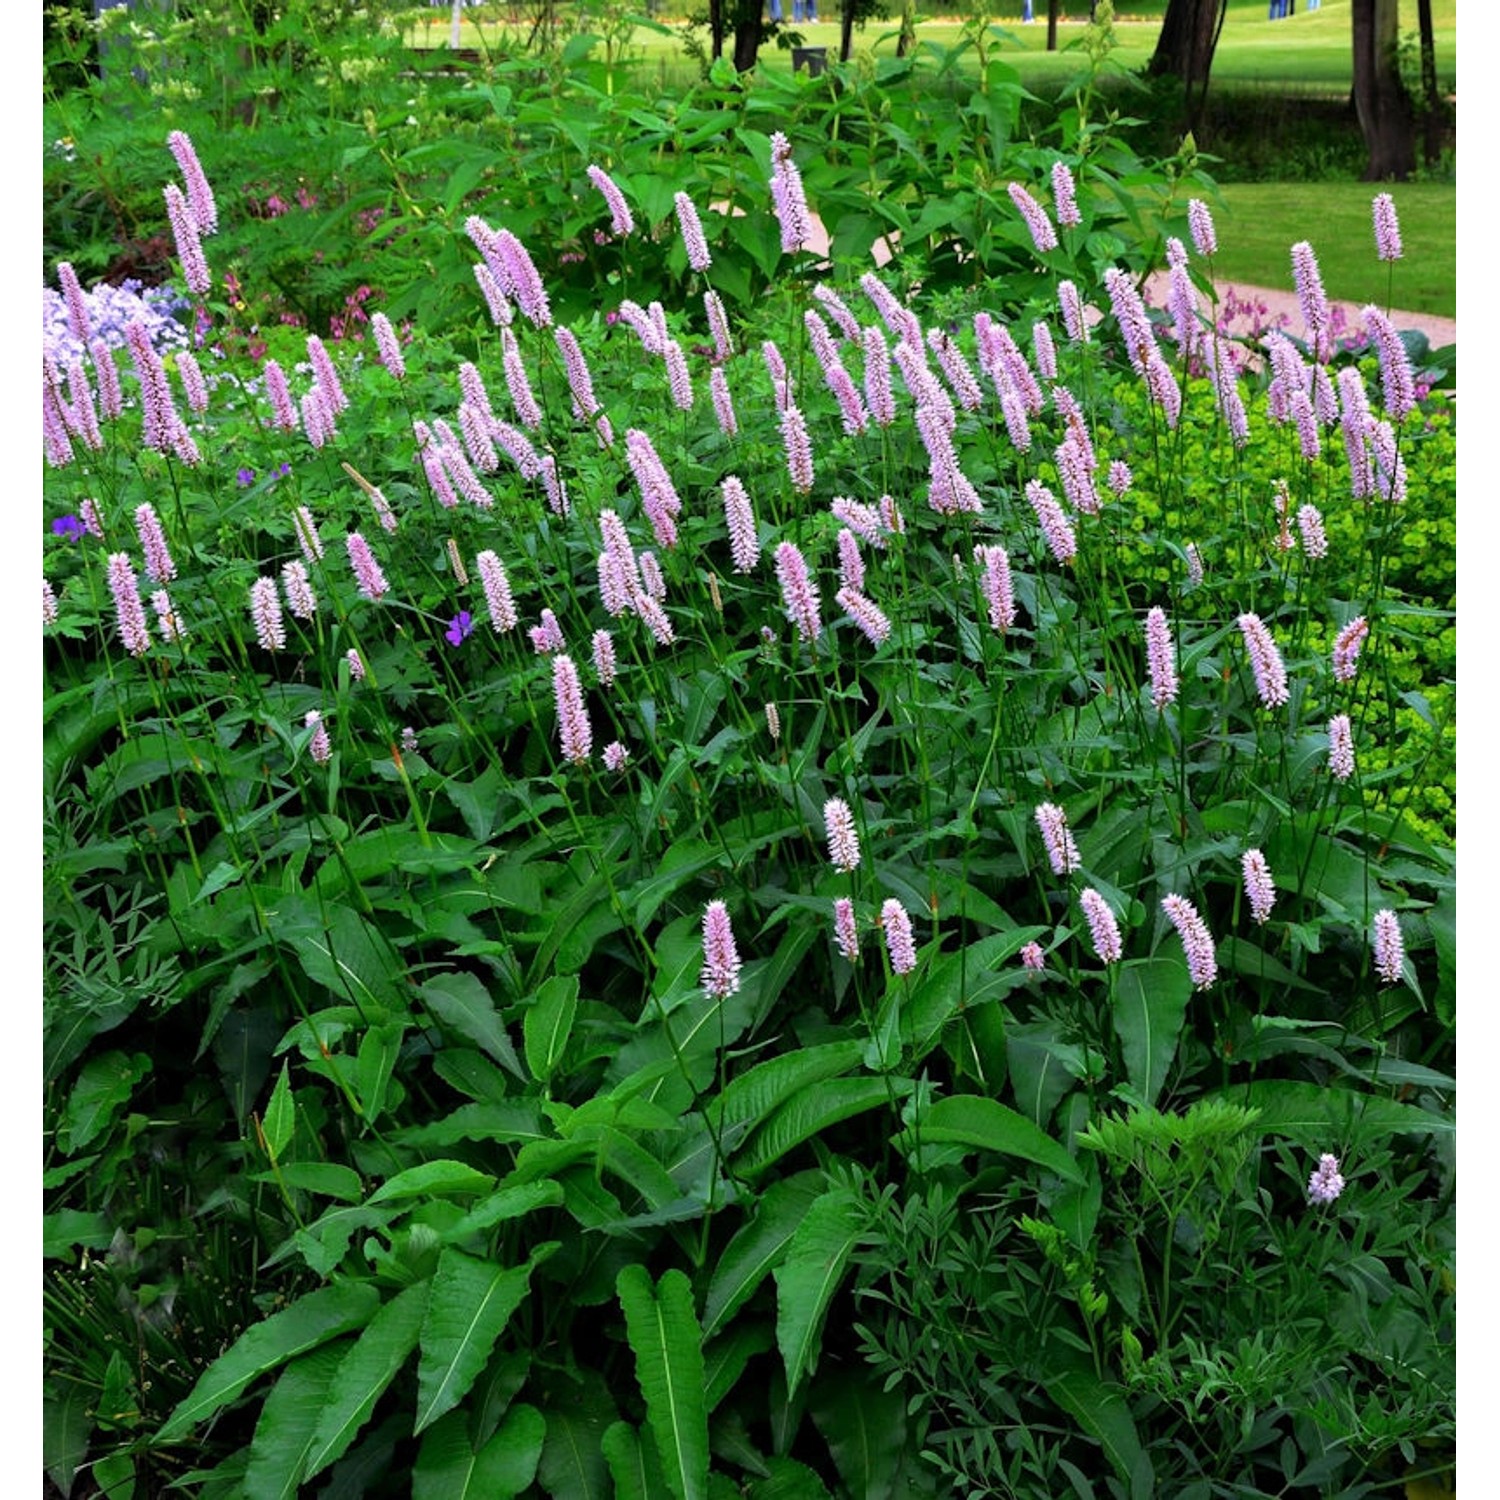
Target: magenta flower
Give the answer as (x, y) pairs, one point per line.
(189, 249)
(1064, 199)
(388, 345)
(1326, 1183)
(367, 572)
(606, 667)
(200, 196)
(327, 376)
(319, 746)
(1055, 528)
(1043, 235)
(129, 614)
(621, 220)
(999, 592)
(49, 604)
(278, 393)
(718, 389)
(692, 233)
(1103, 928)
(1201, 227)
(1160, 659)
(1260, 889)
(1390, 951)
(265, 611)
(1061, 850)
(159, 565)
(798, 591)
(721, 962)
(846, 928)
(356, 665)
(575, 735)
(1265, 661)
(787, 196)
(896, 923)
(843, 837)
(1387, 229)
(300, 598)
(1197, 941)
(1340, 747)
(1032, 956)
(1346, 648)
(616, 756)
(739, 517)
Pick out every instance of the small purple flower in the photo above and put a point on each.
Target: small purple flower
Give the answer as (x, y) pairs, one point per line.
(1061, 850)
(846, 929)
(459, 628)
(1260, 889)
(1265, 661)
(244, 477)
(1197, 941)
(70, 527)
(1032, 956)
(1340, 747)
(721, 962)
(1387, 229)
(616, 756)
(1201, 226)
(1043, 235)
(843, 836)
(1103, 928)
(1390, 951)
(1160, 659)
(1346, 648)
(1326, 1183)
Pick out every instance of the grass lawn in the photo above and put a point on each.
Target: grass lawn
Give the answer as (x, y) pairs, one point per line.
(1258, 223)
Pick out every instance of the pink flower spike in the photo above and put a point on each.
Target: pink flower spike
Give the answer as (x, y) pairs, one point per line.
(799, 459)
(1390, 951)
(999, 592)
(319, 746)
(265, 611)
(1201, 227)
(356, 665)
(200, 196)
(1064, 199)
(616, 756)
(846, 929)
(300, 598)
(787, 197)
(1103, 928)
(1314, 538)
(1055, 528)
(189, 251)
(1032, 957)
(1387, 229)
(1346, 648)
(896, 923)
(1340, 747)
(278, 393)
(1260, 889)
(739, 517)
(75, 301)
(49, 604)
(159, 565)
(497, 595)
(327, 376)
(621, 220)
(388, 345)
(798, 591)
(773, 722)
(547, 638)
(367, 572)
(167, 619)
(1061, 850)
(1327, 1182)
(721, 962)
(870, 619)
(194, 387)
(1071, 305)
(606, 668)
(1160, 659)
(129, 614)
(574, 733)
(1043, 235)
(1265, 662)
(692, 233)
(1316, 313)
(1197, 941)
(718, 389)
(843, 837)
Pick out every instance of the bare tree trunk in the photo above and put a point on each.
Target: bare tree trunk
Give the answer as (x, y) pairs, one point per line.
(1380, 99)
(746, 15)
(1432, 99)
(1185, 49)
(908, 37)
(1052, 9)
(846, 30)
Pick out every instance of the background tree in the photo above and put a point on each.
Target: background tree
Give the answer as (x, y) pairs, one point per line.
(1381, 102)
(1190, 33)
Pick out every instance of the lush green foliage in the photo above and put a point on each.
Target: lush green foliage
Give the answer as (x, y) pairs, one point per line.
(406, 1134)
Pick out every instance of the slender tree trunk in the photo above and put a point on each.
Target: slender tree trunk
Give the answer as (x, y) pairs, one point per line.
(1380, 100)
(1190, 33)
(716, 28)
(746, 14)
(1052, 9)
(1433, 111)
(846, 30)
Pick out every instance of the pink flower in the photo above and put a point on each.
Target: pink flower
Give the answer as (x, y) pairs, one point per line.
(1061, 850)
(799, 459)
(159, 565)
(1387, 229)
(615, 756)
(189, 250)
(279, 394)
(326, 375)
(898, 939)
(621, 220)
(1032, 956)
(200, 196)
(194, 387)
(307, 534)
(1340, 747)
(1064, 200)
(367, 572)
(75, 300)
(1043, 351)
(1103, 928)
(878, 393)
(356, 665)
(1160, 659)
(1197, 941)
(1398, 385)
(547, 638)
(573, 730)
(617, 547)
(129, 614)
(679, 381)
(317, 418)
(388, 345)
(1265, 661)
(798, 591)
(1310, 524)
(692, 233)
(871, 620)
(1346, 648)
(49, 604)
(518, 277)
(718, 389)
(843, 837)
(1071, 305)
(1077, 477)
(299, 595)
(265, 611)
(739, 517)
(1120, 477)
(158, 416)
(721, 962)
(1390, 951)
(787, 196)
(652, 582)
(605, 666)
(501, 313)
(773, 722)
(655, 618)
(957, 370)
(111, 399)
(851, 564)
(1201, 227)
(1327, 1182)
(718, 325)
(846, 928)
(1260, 889)
(998, 590)
(1043, 235)
(1314, 301)
(528, 413)
(1059, 534)
(319, 746)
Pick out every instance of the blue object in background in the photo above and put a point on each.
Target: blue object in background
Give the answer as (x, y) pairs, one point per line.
(1026, 11)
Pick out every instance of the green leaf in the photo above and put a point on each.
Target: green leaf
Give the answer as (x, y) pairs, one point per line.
(1102, 1413)
(724, 1360)
(680, 864)
(344, 953)
(66, 1425)
(378, 1050)
(363, 1374)
(461, 1002)
(437, 1179)
(549, 1023)
(572, 1465)
(281, 1116)
(308, 1322)
(789, 1480)
(1150, 1001)
(812, 1111)
(104, 1087)
(448, 1468)
(865, 1429)
(751, 1097)
(326, 1178)
(506, 1203)
(1314, 1116)
(667, 1342)
(757, 1248)
(808, 1277)
(284, 1431)
(986, 1125)
(633, 1464)
(71, 1226)
(471, 1303)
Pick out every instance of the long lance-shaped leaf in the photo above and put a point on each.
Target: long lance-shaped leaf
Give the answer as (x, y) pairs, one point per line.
(812, 1111)
(448, 1468)
(308, 1322)
(1103, 1413)
(757, 1248)
(969, 1120)
(284, 1433)
(632, 1463)
(1150, 1001)
(364, 1373)
(865, 1429)
(549, 1023)
(471, 1303)
(807, 1279)
(669, 1366)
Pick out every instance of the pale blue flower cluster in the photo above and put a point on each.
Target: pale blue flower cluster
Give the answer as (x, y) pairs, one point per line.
(111, 309)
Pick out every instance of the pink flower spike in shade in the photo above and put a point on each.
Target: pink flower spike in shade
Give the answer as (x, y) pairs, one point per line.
(1387, 229)
(1064, 198)
(200, 196)
(1160, 659)
(265, 611)
(721, 961)
(356, 665)
(129, 613)
(692, 233)
(1061, 850)
(388, 345)
(896, 923)
(189, 250)
(621, 220)
(367, 572)
(843, 837)
(1197, 941)
(773, 722)
(606, 667)
(319, 746)
(1260, 889)
(798, 591)
(1390, 951)
(1032, 957)
(1103, 928)
(1346, 648)
(49, 604)
(846, 929)
(1340, 747)
(616, 756)
(1327, 1182)
(159, 565)
(1043, 235)
(1265, 662)
(574, 732)
(299, 594)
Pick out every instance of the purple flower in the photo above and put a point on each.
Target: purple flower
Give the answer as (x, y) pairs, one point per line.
(278, 393)
(460, 627)
(721, 962)
(1032, 956)
(1313, 299)
(1390, 952)
(843, 837)
(878, 392)
(1260, 889)
(999, 592)
(1119, 478)
(692, 233)
(244, 477)
(265, 611)
(1103, 928)
(1061, 850)
(200, 198)
(299, 595)
(367, 572)
(798, 591)
(159, 565)
(574, 733)
(319, 746)
(1340, 747)
(621, 221)
(896, 923)
(846, 928)
(70, 527)
(1201, 227)
(1387, 229)
(1043, 235)
(1265, 661)
(1064, 200)
(1044, 351)
(129, 614)
(1346, 648)
(1326, 1183)
(615, 756)
(1160, 659)
(1197, 941)
(1398, 385)
(605, 665)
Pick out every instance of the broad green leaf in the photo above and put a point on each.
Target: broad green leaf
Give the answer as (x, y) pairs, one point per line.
(724, 1360)
(986, 1125)
(66, 1424)
(328, 1179)
(461, 1002)
(448, 1468)
(115, 1477)
(667, 1343)
(865, 1429)
(437, 1179)
(572, 1465)
(633, 1464)
(104, 1087)
(284, 1431)
(72, 1226)
(281, 1116)
(507, 1120)
(1102, 1413)
(810, 1274)
(1316, 1117)
(549, 1023)
(751, 1097)
(960, 981)
(471, 1303)
(378, 1050)
(363, 1374)
(802, 1117)
(680, 864)
(789, 1480)
(1042, 1067)
(1151, 997)
(757, 1248)
(308, 1322)
(506, 1203)
(343, 952)
(1255, 963)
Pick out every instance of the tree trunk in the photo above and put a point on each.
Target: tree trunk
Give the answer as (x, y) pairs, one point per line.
(1185, 49)
(746, 34)
(1052, 9)
(908, 36)
(716, 28)
(1380, 100)
(1433, 112)
(846, 30)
